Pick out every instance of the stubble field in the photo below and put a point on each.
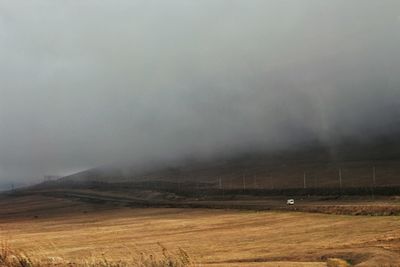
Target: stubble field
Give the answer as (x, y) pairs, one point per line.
(73, 231)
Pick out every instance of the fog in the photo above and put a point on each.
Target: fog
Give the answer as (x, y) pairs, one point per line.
(88, 83)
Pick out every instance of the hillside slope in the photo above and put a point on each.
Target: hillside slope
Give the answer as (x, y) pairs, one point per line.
(360, 164)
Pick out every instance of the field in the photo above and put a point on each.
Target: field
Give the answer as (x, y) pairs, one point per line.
(47, 227)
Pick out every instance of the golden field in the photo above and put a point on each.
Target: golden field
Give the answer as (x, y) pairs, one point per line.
(65, 229)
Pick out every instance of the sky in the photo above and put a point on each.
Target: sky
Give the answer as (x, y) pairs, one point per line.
(88, 83)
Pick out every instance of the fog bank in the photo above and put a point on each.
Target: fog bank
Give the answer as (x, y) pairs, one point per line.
(88, 83)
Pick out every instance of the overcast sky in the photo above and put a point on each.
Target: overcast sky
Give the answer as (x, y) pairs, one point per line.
(86, 83)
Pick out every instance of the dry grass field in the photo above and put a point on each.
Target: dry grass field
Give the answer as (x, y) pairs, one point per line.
(64, 229)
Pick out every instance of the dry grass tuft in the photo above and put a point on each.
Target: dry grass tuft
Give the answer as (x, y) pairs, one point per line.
(14, 258)
(334, 262)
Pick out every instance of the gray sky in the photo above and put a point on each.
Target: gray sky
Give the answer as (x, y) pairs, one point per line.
(86, 83)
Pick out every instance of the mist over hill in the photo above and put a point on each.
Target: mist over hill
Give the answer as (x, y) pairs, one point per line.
(144, 83)
(358, 161)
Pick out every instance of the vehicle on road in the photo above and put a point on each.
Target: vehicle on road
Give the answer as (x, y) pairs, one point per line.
(290, 201)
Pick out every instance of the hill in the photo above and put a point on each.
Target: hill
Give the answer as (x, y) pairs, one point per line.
(360, 164)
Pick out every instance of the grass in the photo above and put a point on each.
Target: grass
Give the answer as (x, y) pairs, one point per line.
(17, 258)
(337, 263)
(83, 233)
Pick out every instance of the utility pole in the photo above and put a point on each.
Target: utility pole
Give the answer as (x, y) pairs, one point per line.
(373, 176)
(373, 181)
(304, 181)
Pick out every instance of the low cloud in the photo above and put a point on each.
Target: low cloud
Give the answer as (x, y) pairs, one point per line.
(94, 82)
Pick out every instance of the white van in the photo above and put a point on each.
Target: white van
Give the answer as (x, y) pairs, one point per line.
(290, 201)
